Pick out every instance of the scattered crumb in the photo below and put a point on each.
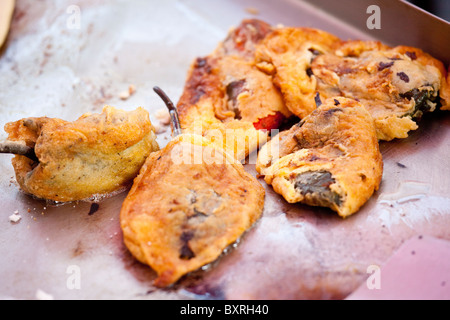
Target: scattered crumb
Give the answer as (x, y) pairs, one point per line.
(15, 217)
(401, 165)
(124, 95)
(252, 10)
(163, 116)
(132, 89)
(41, 295)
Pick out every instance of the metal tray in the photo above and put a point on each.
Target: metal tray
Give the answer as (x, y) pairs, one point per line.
(65, 58)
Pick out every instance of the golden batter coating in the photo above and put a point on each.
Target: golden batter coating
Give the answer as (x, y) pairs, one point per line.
(227, 98)
(330, 159)
(445, 92)
(96, 154)
(287, 53)
(397, 85)
(190, 201)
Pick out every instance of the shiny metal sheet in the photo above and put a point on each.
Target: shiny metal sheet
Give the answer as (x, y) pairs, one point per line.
(64, 58)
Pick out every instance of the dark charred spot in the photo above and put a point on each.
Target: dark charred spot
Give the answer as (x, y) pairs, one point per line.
(94, 208)
(331, 112)
(287, 124)
(244, 38)
(315, 52)
(185, 251)
(198, 213)
(300, 124)
(192, 196)
(317, 100)
(401, 165)
(411, 54)
(317, 184)
(198, 83)
(336, 102)
(385, 65)
(200, 62)
(233, 90)
(309, 72)
(31, 124)
(403, 76)
(341, 70)
(314, 158)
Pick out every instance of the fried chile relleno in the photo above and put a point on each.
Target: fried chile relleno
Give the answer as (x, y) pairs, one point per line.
(330, 159)
(96, 154)
(181, 215)
(286, 54)
(226, 95)
(397, 85)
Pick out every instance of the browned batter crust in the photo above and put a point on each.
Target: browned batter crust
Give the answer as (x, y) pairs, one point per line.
(96, 154)
(397, 85)
(287, 53)
(226, 95)
(190, 201)
(330, 159)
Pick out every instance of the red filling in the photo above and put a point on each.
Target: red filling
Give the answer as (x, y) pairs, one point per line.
(272, 121)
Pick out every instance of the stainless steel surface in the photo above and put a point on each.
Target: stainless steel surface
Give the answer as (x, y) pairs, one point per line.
(400, 23)
(51, 67)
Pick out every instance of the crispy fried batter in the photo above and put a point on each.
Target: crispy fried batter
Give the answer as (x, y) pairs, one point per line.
(331, 158)
(225, 92)
(190, 201)
(96, 154)
(286, 53)
(397, 85)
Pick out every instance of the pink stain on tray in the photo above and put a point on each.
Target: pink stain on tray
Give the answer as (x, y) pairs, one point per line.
(418, 270)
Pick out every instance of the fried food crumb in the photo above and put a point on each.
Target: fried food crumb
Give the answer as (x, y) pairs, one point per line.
(252, 10)
(124, 95)
(14, 218)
